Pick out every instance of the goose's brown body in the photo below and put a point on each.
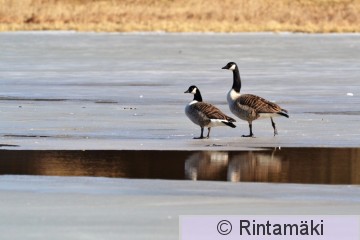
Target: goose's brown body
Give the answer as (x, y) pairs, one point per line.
(250, 107)
(205, 114)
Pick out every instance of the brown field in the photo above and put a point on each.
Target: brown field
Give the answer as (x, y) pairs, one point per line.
(181, 16)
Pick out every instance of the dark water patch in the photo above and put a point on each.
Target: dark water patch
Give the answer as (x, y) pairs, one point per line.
(115, 84)
(30, 99)
(101, 101)
(215, 145)
(288, 165)
(25, 136)
(33, 99)
(8, 145)
(106, 102)
(349, 113)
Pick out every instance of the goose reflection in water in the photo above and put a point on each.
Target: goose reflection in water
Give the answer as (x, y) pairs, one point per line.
(256, 167)
(245, 167)
(206, 165)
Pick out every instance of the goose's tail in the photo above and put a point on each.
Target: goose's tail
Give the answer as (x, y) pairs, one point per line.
(230, 124)
(283, 113)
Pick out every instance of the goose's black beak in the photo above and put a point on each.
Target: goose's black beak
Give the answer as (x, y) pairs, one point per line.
(224, 67)
(187, 91)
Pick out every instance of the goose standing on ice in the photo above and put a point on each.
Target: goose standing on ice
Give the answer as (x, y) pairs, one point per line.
(205, 114)
(249, 107)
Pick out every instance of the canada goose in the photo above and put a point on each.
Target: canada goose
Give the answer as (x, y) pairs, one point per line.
(249, 107)
(205, 114)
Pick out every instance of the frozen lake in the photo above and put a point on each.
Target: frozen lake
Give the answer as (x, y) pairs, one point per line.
(93, 91)
(89, 208)
(125, 91)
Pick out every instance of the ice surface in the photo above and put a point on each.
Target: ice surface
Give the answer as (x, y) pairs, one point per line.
(101, 208)
(72, 90)
(68, 90)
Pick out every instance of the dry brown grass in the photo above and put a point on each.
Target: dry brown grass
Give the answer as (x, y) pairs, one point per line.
(181, 16)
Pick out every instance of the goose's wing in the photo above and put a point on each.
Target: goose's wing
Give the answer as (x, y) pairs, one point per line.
(212, 112)
(259, 104)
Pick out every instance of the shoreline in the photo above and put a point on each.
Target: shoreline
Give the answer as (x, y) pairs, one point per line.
(178, 16)
(155, 33)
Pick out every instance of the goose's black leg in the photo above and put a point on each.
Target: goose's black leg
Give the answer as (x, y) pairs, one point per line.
(208, 133)
(251, 133)
(201, 136)
(274, 127)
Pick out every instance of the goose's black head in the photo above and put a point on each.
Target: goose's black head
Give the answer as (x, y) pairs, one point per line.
(196, 92)
(230, 66)
(192, 89)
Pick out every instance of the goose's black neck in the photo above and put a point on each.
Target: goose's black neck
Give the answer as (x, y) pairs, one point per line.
(197, 96)
(236, 80)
